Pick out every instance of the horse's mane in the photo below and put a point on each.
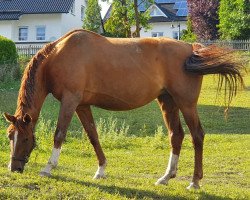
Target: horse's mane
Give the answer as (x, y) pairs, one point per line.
(26, 92)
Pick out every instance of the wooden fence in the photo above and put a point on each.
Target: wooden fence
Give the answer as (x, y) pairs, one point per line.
(28, 50)
(234, 44)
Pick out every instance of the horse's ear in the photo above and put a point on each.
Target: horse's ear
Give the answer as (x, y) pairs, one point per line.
(27, 118)
(10, 118)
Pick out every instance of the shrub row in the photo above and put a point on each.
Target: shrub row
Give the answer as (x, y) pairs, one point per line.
(8, 53)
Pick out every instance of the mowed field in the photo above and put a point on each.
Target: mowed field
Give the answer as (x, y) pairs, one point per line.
(137, 149)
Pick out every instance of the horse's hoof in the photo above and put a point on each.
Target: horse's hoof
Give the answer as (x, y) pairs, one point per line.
(45, 174)
(99, 176)
(161, 181)
(193, 186)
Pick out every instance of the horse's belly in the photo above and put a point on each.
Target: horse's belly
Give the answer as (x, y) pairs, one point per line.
(117, 103)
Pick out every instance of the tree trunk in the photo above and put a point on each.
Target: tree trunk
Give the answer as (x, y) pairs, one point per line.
(103, 29)
(137, 20)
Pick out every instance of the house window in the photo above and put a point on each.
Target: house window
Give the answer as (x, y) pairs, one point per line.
(23, 34)
(82, 12)
(40, 33)
(72, 9)
(157, 34)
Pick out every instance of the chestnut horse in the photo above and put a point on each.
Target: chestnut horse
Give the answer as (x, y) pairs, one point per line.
(83, 68)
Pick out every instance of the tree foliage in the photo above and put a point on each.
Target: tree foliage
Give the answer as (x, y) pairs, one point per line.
(234, 18)
(188, 35)
(204, 18)
(124, 16)
(92, 20)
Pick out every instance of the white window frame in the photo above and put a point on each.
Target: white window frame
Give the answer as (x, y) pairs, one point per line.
(82, 12)
(23, 37)
(157, 34)
(43, 36)
(73, 8)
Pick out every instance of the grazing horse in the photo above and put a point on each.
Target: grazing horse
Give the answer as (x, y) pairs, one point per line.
(83, 68)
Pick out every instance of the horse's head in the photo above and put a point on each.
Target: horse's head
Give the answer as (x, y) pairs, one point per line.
(22, 140)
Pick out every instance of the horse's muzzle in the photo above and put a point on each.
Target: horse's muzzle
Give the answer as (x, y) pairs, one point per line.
(17, 166)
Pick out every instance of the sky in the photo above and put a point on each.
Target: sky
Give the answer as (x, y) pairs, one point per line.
(104, 6)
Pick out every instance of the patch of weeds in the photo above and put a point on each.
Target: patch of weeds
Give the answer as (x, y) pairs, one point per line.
(9, 72)
(44, 133)
(112, 134)
(160, 139)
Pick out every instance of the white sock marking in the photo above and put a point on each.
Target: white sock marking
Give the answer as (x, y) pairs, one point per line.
(170, 171)
(52, 163)
(100, 172)
(172, 164)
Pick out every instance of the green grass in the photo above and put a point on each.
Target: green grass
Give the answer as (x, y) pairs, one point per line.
(137, 150)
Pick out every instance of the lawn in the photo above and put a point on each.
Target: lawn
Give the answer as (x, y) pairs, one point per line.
(137, 149)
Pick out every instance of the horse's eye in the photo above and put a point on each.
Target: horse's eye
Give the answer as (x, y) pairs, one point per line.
(10, 136)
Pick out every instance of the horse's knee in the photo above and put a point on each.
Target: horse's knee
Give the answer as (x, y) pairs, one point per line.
(176, 138)
(59, 138)
(198, 139)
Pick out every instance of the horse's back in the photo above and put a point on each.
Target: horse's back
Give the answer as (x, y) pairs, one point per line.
(112, 73)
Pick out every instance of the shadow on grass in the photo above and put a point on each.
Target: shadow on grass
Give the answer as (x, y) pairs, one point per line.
(133, 193)
(214, 121)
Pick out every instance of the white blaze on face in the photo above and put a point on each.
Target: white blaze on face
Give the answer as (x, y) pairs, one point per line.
(14, 147)
(15, 141)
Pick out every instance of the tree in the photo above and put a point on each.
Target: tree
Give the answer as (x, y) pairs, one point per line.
(118, 25)
(234, 18)
(204, 17)
(124, 15)
(92, 20)
(188, 35)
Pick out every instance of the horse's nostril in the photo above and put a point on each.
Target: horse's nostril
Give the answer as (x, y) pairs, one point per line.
(19, 170)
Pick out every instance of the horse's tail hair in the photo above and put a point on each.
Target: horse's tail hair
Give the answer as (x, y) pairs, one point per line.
(222, 61)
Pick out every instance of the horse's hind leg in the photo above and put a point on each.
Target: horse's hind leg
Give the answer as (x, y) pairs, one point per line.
(170, 113)
(192, 119)
(86, 118)
(67, 109)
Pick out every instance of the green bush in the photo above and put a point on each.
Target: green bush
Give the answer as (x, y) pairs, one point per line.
(8, 53)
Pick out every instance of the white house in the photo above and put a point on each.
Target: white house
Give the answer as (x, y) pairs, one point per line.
(168, 18)
(39, 21)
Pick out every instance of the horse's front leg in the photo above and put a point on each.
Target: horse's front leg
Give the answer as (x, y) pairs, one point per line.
(67, 109)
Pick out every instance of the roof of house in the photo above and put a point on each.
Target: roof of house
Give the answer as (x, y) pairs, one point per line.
(170, 11)
(174, 10)
(13, 9)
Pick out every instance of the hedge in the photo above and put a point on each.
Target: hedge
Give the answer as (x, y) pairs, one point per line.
(8, 53)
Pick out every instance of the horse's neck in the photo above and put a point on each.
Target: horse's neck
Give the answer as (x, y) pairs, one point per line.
(31, 104)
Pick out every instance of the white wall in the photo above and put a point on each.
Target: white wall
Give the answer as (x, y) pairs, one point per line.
(164, 27)
(52, 22)
(6, 28)
(71, 21)
(56, 24)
